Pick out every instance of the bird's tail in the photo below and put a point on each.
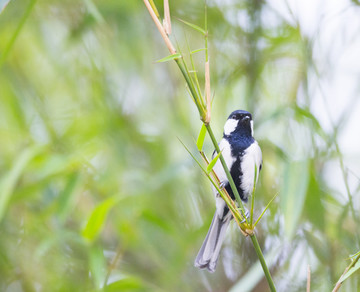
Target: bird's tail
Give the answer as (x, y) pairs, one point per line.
(210, 249)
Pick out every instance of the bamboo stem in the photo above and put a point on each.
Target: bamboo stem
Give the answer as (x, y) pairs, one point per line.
(263, 263)
(203, 116)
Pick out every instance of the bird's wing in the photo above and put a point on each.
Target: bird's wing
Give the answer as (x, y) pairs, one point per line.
(229, 160)
(251, 158)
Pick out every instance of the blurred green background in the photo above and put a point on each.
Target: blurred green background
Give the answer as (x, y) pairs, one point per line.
(96, 191)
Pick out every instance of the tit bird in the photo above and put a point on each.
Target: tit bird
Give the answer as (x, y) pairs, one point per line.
(241, 153)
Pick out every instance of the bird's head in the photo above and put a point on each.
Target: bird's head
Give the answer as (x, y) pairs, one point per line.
(239, 122)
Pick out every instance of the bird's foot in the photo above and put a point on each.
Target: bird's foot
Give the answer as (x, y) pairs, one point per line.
(223, 184)
(247, 215)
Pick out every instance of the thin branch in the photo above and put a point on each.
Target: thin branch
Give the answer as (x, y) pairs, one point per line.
(340, 281)
(160, 28)
(113, 264)
(167, 19)
(207, 92)
(308, 279)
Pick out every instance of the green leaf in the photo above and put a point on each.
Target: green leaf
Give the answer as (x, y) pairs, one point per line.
(314, 207)
(98, 218)
(350, 271)
(169, 58)
(198, 28)
(267, 207)
(127, 284)
(97, 265)
(193, 157)
(9, 181)
(66, 197)
(293, 193)
(198, 50)
(154, 8)
(201, 138)
(212, 163)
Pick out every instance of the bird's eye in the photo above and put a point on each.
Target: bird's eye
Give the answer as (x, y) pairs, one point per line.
(234, 117)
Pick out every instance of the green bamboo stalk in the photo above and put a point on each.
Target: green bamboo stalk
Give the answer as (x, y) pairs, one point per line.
(192, 90)
(203, 114)
(262, 262)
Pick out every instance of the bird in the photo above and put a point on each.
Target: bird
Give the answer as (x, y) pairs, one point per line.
(241, 153)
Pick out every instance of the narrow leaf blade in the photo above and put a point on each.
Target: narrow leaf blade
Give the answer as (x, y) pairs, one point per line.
(212, 163)
(350, 271)
(198, 28)
(267, 207)
(169, 58)
(9, 180)
(198, 50)
(201, 138)
(98, 218)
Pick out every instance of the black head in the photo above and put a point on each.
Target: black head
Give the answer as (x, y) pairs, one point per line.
(239, 122)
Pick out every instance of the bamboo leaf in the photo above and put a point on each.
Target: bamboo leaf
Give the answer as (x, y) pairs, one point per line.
(153, 6)
(350, 271)
(212, 162)
(128, 283)
(263, 212)
(193, 157)
(198, 28)
(198, 50)
(201, 138)
(169, 58)
(8, 181)
(97, 265)
(98, 218)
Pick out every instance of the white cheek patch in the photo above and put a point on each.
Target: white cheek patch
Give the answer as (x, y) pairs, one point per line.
(252, 128)
(230, 126)
(252, 157)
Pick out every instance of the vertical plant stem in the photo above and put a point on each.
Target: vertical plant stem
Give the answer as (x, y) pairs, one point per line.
(263, 263)
(201, 110)
(160, 28)
(112, 265)
(308, 283)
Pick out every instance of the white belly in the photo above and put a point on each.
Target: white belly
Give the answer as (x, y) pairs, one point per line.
(251, 158)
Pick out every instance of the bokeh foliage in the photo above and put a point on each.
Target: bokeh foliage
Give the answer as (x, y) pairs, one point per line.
(95, 187)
